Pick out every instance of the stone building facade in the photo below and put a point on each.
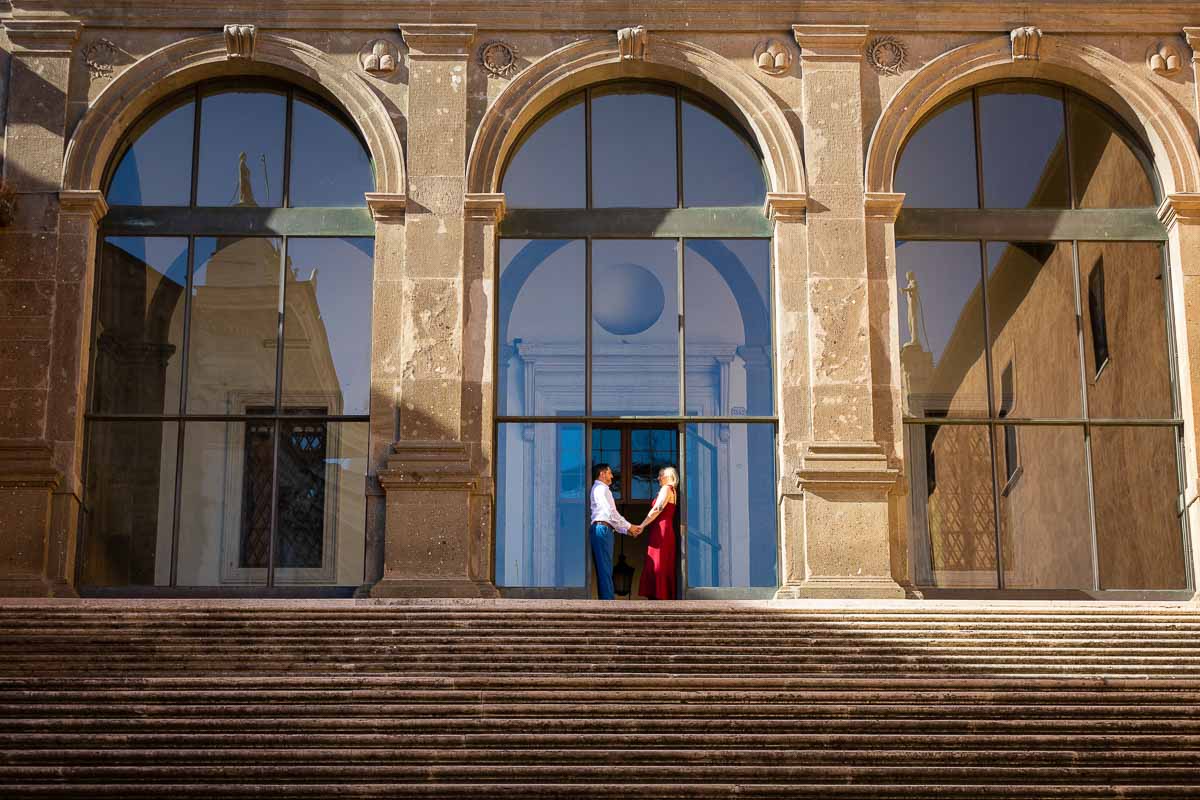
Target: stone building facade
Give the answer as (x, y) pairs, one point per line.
(808, 466)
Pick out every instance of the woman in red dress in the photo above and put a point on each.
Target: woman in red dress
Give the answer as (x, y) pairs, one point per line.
(658, 571)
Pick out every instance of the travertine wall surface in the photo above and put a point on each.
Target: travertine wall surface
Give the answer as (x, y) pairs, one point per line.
(830, 118)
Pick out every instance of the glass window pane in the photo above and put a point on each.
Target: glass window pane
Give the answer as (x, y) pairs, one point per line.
(606, 449)
(241, 149)
(156, 170)
(1024, 149)
(730, 496)
(322, 508)
(635, 327)
(633, 149)
(650, 451)
(1031, 299)
(549, 167)
(234, 325)
(952, 503)
(728, 326)
(941, 329)
(327, 325)
(1108, 168)
(541, 319)
(720, 167)
(1138, 532)
(1128, 361)
(937, 166)
(225, 503)
(130, 503)
(138, 341)
(330, 166)
(1045, 526)
(541, 505)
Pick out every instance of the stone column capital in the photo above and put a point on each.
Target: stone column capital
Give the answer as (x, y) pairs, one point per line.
(1181, 208)
(831, 42)
(387, 207)
(484, 206)
(786, 206)
(49, 36)
(431, 41)
(28, 465)
(883, 205)
(84, 202)
(1193, 39)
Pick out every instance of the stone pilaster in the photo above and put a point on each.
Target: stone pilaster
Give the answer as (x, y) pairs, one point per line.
(1180, 215)
(1193, 39)
(844, 475)
(436, 491)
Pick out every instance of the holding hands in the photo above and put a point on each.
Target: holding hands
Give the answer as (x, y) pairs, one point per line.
(634, 530)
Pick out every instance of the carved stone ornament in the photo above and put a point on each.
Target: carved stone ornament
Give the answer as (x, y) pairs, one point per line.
(887, 55)
(100, 57)
(1164, 59)
(631, 43)
(239, 41)
(498, 58)
(378, 57)
(1026, 43)
(773, 57)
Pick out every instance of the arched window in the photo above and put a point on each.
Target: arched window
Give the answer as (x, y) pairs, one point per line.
(634, 329)
(230, 375)
(1042, 422)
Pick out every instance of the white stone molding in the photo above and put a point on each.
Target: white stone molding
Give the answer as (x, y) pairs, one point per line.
(597, 59)
(883, 205)
(86, 202)
(387, 206)
(831, 42)
(239, 40)
(1124, 88)
(484, 206)
(427, 41)
(47, 36)
(1164, 59)
(631, 43)
(179, 64)
(378, 57)
(786, 206)
(1181, 208)
(773, 57)
(1026, 43)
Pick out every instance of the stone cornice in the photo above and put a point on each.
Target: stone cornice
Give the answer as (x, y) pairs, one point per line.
(28, 465)
(386, 206)
(1180, 209)
(44, 35)
(605, 16)
(883, 205)
(1193, 39)
(837, 466)
(484, 206)
(786, 206)
(831, 42)
(431, 466)
(433, 41)
(88, 202)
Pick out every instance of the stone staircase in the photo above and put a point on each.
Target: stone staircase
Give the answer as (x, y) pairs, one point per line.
(626, 700)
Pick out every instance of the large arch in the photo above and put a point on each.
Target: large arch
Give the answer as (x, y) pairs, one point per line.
(1084, 67)
(181, 64)
(594, 60)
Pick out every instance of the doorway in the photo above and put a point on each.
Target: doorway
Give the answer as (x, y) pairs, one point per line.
(636, 453)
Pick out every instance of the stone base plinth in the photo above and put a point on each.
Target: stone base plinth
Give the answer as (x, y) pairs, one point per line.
(849, 588)
(399, 587)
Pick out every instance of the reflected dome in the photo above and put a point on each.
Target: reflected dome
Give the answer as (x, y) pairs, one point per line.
(627, 299)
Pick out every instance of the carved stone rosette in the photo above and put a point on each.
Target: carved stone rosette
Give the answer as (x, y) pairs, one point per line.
(239, 41)
(100, 57)
(1026, 43)
(499, 59)
(631, 43)
(887, 55)
(773, 57)
(378, 57)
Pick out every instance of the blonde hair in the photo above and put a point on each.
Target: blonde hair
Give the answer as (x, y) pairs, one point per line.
(672, 476)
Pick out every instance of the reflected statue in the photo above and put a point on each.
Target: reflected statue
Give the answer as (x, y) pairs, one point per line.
(912, 292)
(245, 191)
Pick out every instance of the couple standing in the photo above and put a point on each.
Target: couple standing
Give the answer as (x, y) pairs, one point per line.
(658, 571)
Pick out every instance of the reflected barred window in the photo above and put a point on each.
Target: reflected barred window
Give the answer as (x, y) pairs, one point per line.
(230, 375)
(1036, 348)
(634, 329)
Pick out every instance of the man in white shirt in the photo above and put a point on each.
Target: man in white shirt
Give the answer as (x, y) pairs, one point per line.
(605, 520)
